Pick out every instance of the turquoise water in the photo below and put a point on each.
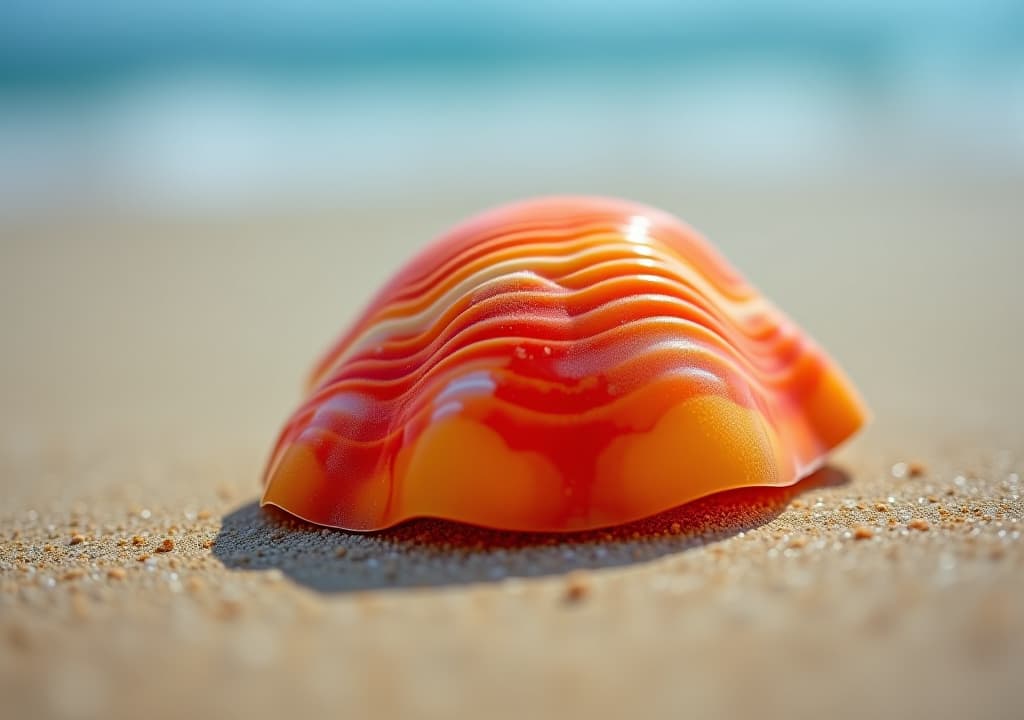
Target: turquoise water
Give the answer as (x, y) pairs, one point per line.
(189, 104)
(66, 44)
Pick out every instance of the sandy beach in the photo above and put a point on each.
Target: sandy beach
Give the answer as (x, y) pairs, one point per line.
(148, 363)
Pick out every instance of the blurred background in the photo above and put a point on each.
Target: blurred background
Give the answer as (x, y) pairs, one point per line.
(184, 106)
(207, 192)
(189, 105)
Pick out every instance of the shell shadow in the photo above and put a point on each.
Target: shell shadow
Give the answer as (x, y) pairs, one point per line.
(434, 553)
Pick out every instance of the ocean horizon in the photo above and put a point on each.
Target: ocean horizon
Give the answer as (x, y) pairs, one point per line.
(189, 107)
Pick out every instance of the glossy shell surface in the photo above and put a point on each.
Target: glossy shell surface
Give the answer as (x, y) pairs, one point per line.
(558, 364)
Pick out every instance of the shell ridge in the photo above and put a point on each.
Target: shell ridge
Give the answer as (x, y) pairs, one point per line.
(385, 302)
(374, 333)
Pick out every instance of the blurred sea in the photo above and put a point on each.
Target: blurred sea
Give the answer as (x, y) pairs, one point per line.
(192, 106)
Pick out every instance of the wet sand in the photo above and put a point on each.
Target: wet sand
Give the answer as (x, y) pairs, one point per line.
(147, 366)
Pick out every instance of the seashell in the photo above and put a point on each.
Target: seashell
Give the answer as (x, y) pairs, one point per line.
(558, 364)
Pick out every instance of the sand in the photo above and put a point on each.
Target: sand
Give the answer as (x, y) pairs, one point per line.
(148, 363)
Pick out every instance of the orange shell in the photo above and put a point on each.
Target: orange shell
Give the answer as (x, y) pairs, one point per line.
(558, 364)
